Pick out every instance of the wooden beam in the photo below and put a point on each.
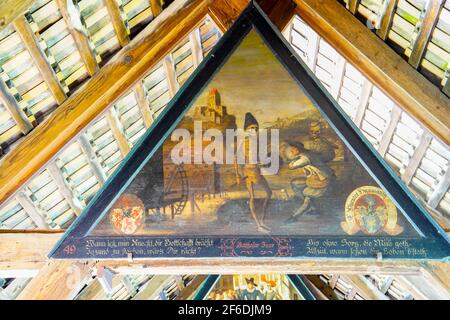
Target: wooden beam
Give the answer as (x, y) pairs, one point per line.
(81, 39)
(14, 109)
(363, 102)
(280, 12)
(387, 70)
(353, 5)
(143, 104)
(31, 210)
(48, 74)
(169, 69)
(386, 139)
(92, 159)
(426, 29)
(440, 190)
(59, 180)
(221, 266)
(224, 13)
(22, 250)
(57, 280)
(156, 6)
(196, 47)
(116, 129)
(117, 22)
(11, 9)
(112, 81)
(386, 21)
(416, 158)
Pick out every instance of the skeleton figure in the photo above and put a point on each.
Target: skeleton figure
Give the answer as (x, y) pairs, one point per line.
(250, 173)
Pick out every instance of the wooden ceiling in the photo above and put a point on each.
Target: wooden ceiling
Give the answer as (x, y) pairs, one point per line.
(81, 83)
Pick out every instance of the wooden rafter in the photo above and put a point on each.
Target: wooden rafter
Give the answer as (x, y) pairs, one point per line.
(117, 22)
(14, 109)
(48, 74)
(386, 20)
(81, 39)
(406, 86)
(107, 85)
(426, 29)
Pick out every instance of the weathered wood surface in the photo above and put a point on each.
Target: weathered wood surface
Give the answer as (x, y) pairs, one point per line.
(25, 250)
(387, 70)
(57, 280)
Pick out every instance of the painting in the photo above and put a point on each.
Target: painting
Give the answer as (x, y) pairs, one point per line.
(253, 156)
(254, 287)
(253, 159)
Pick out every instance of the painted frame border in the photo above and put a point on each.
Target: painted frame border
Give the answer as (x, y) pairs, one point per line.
(432, 244)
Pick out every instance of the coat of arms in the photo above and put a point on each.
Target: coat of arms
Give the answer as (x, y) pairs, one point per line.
(126, 217)
(370, 210)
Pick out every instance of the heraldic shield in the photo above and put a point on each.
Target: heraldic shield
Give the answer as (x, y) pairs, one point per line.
(251, 159)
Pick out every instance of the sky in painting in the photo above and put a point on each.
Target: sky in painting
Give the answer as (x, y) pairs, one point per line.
(253, 80)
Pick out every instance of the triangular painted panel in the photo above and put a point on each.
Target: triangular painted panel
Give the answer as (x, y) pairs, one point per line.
(252, 158)
(253, 287)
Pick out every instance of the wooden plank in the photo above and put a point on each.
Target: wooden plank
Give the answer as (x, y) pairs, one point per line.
(57, 280)
(416, 158)
(247, 266)
(112, 81)
(59, 180)
(437, 274)
(426, 29)
(81, 39)
(31, 210)
(386, 20)
(14, 109)
(48, 74)
(25, 251)
(11, 9)
(224, 13)
(117, 22)
(379, 63)
(116, 129)
(143, 104)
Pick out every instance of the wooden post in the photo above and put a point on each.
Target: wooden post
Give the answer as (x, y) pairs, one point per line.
(440, 190)
(81, 39)
(426, 28)
(117, 22)
(116, 128)
(386, 21)
(48, 74)
(14, 109)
